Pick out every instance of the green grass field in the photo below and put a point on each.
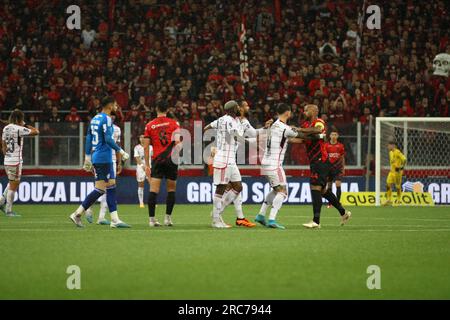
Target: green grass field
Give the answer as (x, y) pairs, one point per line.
(193, 261)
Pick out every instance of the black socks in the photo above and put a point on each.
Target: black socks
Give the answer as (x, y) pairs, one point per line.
(151, 204)
(317, 204)
(170, 202)
(338, 193)
(329, 195)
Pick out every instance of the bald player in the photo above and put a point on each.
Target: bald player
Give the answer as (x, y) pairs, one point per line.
(320, 167)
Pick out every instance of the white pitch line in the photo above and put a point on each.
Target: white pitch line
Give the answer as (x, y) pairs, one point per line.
(285, 216)
(53, 223)
(346, 229)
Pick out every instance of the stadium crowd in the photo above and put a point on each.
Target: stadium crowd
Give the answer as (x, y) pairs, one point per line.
(187, 53)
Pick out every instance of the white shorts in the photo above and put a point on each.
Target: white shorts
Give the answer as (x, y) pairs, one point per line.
(14, 173)
(228, 174)
(276, 177)
(140, 174)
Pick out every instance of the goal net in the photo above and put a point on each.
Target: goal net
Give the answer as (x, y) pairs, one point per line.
(426, 144)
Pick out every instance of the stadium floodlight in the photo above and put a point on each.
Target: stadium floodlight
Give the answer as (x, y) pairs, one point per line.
(426, 144)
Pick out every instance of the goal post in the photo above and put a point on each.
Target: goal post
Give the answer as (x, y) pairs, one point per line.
(426, 144)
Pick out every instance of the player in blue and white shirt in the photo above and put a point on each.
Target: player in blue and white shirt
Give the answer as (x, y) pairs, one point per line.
(117, 166)
(99, 147)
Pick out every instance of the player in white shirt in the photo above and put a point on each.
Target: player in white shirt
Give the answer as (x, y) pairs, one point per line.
(229, 130)
(117, 165)
(278, 137)
(139, 155)
(250, 133)
(12, 145)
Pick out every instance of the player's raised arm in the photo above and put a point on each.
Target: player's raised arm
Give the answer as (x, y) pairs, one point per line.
(251, 132)
(311, 130)
(212, 125)
(300, 136)
(33, 131)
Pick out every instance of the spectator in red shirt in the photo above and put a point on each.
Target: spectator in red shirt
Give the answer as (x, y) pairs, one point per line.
(73, 116)
(121, 96)
(406, 110)
(53, 94)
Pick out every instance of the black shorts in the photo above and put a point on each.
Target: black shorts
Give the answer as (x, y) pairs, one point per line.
(164, 169)
(320, 173)
(336, 174)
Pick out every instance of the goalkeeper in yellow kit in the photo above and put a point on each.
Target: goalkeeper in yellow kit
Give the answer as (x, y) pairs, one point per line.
(397, 161)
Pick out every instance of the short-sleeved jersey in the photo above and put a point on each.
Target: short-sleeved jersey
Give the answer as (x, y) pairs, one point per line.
(161, 132)
(117, 133)
(316, 148)
(277, 141)
(228, 129)
(100, 128)
(139, 152)
(13, 136)
(336, 153)
(396, 159)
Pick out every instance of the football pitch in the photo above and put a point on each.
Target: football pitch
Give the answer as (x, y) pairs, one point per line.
(411, 247)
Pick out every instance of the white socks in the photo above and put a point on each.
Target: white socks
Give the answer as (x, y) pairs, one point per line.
(80, 211)
(3, 197)
(276, 205)
(114, 217)
(238, 207)
(9, 200)
(141, 195)
(217, 205)
(229, 197)
(267, 202)
(103, 207)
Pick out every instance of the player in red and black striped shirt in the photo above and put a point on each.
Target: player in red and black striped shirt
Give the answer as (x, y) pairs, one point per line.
(163, 134)
(320, 168)
(336, 155)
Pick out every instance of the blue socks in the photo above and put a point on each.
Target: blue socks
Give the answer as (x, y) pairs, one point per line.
(91, 198)
(111, 198)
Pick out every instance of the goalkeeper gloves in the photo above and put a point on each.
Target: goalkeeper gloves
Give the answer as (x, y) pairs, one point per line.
(125, 156)
(87, 163)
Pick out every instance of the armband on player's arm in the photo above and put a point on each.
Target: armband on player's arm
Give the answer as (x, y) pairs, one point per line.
(317, 129)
